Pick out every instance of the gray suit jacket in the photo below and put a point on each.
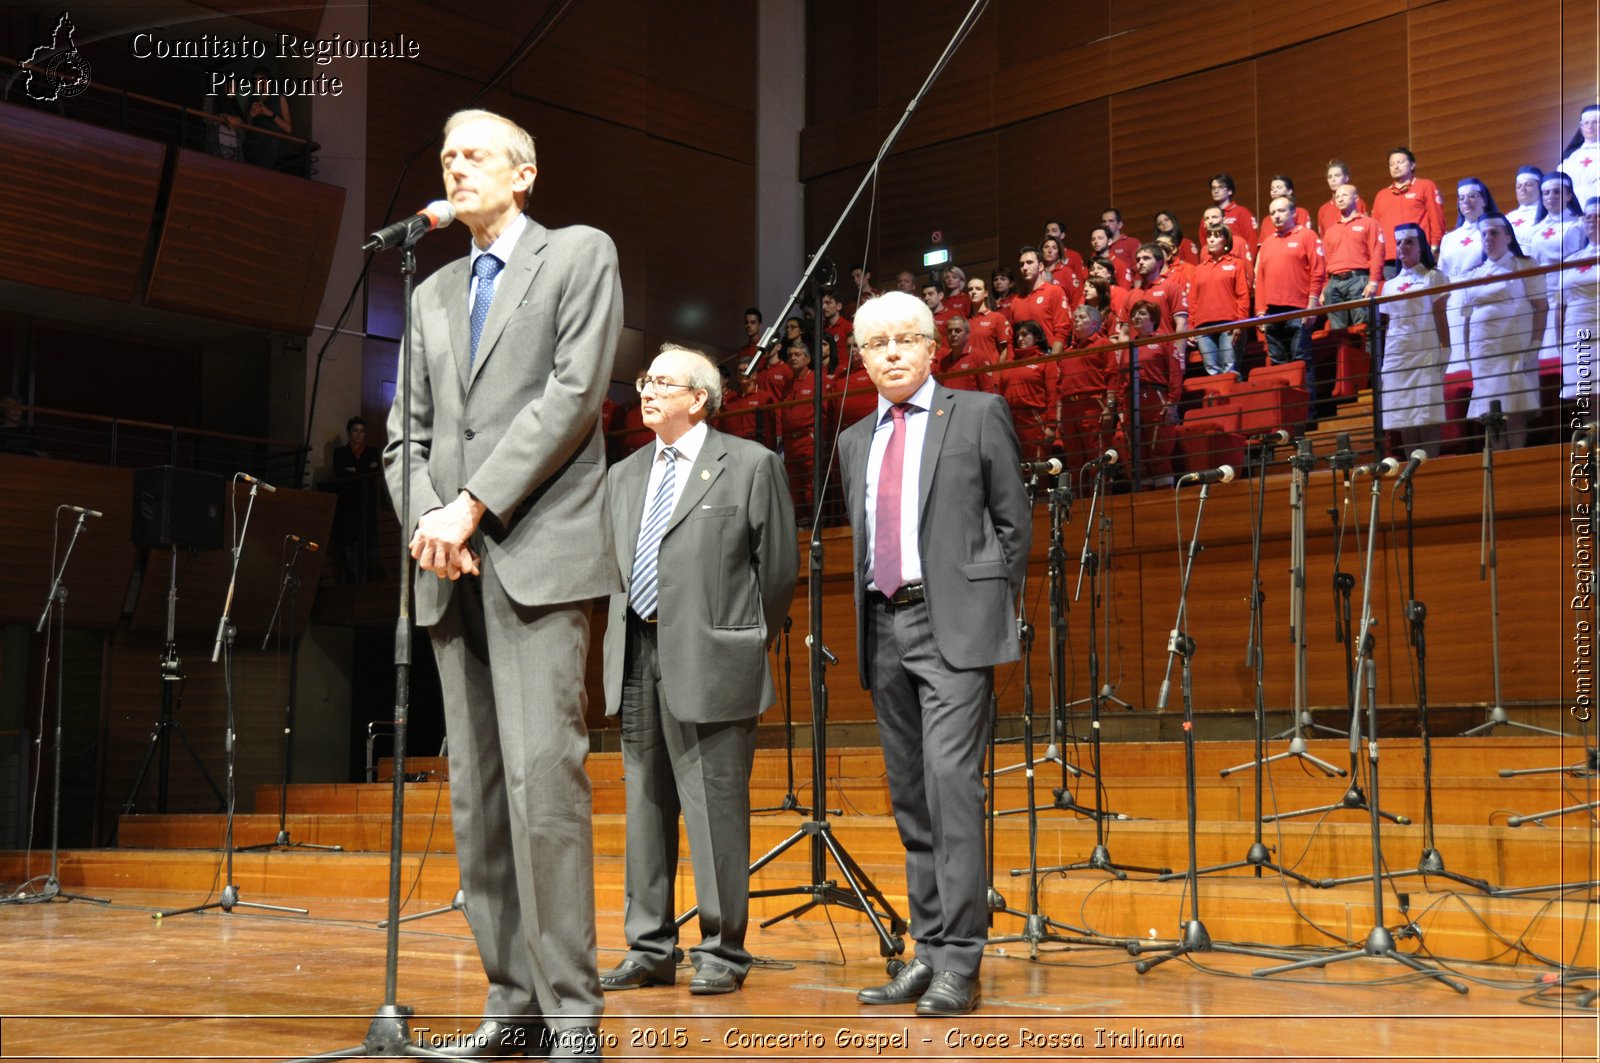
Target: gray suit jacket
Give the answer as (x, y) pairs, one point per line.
(520, 429)
(727, 571)
(974, 528)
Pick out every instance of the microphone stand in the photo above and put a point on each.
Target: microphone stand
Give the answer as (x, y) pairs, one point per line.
(55, 609)
(1494, 423)
(224, 649)
(288, 587)
(790, 802)
(1259, 856)
(1380, 941)
(1430, 862)
(1180, 647)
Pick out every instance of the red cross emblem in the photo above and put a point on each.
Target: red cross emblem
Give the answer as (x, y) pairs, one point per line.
(1466, 241)
(1406, 287)
(1584, 269)
(1548, 233)
(1586, 160)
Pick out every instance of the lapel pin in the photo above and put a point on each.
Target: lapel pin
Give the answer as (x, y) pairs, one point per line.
(705, 474)
(938, 413)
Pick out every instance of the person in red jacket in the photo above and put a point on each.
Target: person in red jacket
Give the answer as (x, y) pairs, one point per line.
(1062, 273)
(1166, 224)
(933, 296)
(1218, 293)
(1354, 254)
(834, 323)
(1112, 301)
(1239, 221)
(1122, 247)
(1081, 385)
(1328, 214)
(860, 289)
(990, 333)
(1283, 185)
(1167, 292)
(960, 356)
(1030, 391)
(739, 416)
(752, 332)
(1100, 247)
(1043, 302)
(1290, 275)
(1160, 378)
(1408, 198)
(1003, 285)
(954, 279)
(799, 428)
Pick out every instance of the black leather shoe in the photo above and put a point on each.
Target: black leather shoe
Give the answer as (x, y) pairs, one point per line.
(950, 994)
(494, 1039)
(904, 988)
(712, 979)
(576, 1044)
(629, 975)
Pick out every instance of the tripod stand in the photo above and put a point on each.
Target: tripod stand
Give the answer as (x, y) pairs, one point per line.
(1180, 647)
(158, 747)
(1379, 943)
(790, 802)
(1588, 769)
(48, 888)
(287, 588)
(223, 648)
(1494, 423)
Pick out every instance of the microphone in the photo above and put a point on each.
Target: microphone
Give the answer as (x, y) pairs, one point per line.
(310, 546)
(435, 215)
(1047, 467)
(83, 511)
(1417, 458)
(1110, 457)
(247, 478)
(1278, 438)
(1222, 474)
(827, 654)
(1380, 470)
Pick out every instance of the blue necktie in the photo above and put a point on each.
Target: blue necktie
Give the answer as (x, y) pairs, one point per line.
(642, 587)
(485, 270)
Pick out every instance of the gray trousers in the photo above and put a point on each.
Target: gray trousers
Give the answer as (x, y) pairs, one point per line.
(933, 723)
(513, 681)
(703, 771)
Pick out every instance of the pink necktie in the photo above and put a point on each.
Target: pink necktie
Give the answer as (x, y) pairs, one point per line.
(886, 526)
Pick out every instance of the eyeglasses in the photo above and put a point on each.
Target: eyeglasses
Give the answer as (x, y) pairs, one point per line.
(879, 344)
(660, 383)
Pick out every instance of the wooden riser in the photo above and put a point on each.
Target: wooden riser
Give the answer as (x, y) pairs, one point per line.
(1235, 907)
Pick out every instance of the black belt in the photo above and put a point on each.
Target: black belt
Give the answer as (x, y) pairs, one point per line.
(1347, 273)
(909, 594)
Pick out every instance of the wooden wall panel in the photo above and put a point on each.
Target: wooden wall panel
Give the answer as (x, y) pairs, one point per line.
(911, 36)
(1162, 158)
(930, 190)
(825, 199)
(842, 60)
(226, 253)
(1293, 85)
(1485, 94)
(302, 18)
(1274, 26)
(1580, 59)
(105, 183)
(1053, 166)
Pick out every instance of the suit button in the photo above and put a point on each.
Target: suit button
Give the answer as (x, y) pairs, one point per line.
(470, 434)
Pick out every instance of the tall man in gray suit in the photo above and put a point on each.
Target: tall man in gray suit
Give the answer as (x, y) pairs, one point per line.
(511, 355)
(705, 533)
(941, 528)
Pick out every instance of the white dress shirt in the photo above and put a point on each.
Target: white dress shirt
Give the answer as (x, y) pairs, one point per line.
(911, 472)
(502, 247)
(688, 449)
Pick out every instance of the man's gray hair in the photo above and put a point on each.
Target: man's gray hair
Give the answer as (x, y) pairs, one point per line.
(518, 141)
(893, 308)
(703, 375)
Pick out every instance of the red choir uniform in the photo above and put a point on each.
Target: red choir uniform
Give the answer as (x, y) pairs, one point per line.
(1121, 251)
(957, 303)
(1301, 217)
(1181, 274)
(1290, 269)
(1066, 278)
(1048, 306)
(740, 418)
(1169, 294)
(1160, 380)
(941, 316)
(634, 434)
(1242, 224)
(1081, 385)
(851, 307)
(1002, 305)
(1328, 215)
(1030, 391)
(1187, 252)
(1418, 202)
(1073, 261)
(800, 437)
(747, 352)
(840, 331)
(1219, 290)
(1355, 246)
(1115, 314)
(775, 378)
(987, 333)
(853, 395)
(953, 361)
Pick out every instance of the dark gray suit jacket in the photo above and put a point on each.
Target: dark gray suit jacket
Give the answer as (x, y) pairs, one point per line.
(520, 430)
(727, 570)
(973, 526)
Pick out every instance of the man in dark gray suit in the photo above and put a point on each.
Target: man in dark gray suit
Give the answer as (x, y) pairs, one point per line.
(511, 355)
(705, 533)
(942, 529)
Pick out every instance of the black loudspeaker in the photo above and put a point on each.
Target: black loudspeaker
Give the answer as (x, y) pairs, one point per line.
(177, 507)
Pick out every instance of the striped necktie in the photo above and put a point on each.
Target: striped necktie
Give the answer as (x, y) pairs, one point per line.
(642, 591)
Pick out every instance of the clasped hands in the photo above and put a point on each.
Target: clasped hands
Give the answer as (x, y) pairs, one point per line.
(440, 542)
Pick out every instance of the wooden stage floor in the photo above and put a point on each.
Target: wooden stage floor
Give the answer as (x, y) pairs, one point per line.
(88, 982)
